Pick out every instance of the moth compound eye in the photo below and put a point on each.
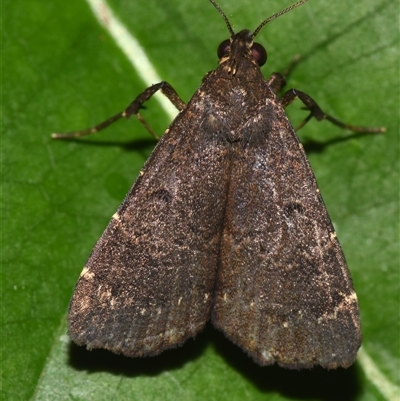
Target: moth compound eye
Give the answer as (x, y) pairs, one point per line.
(223, 48)
(259, 54)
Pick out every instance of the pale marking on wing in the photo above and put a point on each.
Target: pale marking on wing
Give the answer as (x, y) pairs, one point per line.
(116, 216)
(266, 355)
(87, 274)
(346, 303)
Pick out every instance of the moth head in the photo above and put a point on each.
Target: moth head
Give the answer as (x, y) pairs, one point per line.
(241, 44)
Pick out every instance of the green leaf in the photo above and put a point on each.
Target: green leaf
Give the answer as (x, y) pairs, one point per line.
(62, 71)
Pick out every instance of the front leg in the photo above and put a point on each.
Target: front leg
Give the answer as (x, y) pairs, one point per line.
(133, 108)
(315, 111)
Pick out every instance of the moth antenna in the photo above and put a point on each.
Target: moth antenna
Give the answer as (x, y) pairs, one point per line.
(228, 24)
(272, 17)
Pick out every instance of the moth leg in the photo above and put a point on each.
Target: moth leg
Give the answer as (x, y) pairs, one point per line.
(133, 108)
(315, 111)
(277, 80)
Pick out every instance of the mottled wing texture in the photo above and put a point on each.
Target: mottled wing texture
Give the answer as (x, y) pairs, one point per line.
(149, 282)
(225, 217)
(284, 293)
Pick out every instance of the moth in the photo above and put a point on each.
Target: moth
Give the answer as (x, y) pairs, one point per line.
(225, 222)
